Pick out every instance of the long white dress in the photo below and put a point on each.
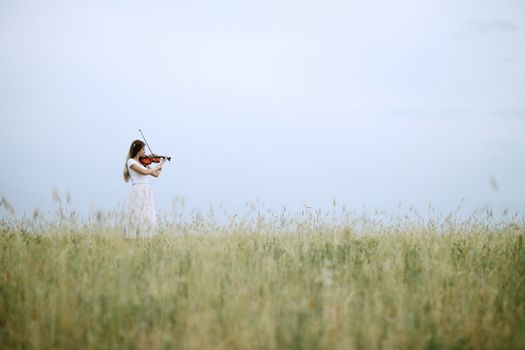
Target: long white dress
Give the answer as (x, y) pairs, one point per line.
(140, 213)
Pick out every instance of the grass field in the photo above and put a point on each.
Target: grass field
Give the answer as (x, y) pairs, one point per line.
(296, 284)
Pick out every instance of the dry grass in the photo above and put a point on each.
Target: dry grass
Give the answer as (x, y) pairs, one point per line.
(279, 283)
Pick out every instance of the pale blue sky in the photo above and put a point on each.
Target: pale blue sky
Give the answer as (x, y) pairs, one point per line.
(369, 102)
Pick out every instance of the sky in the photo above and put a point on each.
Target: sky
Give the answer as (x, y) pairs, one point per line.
(376, 104)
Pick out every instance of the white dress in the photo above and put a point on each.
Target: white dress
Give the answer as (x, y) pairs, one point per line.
(140, 216)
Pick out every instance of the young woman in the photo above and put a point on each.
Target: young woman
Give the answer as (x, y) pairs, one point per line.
(140, 216)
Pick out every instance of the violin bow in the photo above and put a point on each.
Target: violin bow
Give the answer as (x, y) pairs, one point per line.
(150, 151)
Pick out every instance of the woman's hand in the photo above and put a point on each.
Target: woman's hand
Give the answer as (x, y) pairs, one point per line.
(158, 168)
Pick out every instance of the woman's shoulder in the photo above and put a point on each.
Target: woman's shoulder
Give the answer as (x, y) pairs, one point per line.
(132, 161)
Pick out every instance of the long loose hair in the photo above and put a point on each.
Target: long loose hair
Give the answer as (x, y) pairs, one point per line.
(135, 148)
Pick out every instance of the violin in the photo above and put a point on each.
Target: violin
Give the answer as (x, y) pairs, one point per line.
(152, 158)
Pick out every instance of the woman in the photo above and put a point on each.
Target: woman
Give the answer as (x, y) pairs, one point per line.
(140, 216)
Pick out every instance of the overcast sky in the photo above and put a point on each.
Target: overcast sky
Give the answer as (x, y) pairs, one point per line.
(371, 103)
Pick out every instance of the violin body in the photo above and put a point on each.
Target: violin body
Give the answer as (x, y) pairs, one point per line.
(152, 158)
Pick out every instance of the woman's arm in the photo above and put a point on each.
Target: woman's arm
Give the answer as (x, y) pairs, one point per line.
(153, 172)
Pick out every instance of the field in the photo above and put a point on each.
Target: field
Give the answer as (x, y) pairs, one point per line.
(280, 283)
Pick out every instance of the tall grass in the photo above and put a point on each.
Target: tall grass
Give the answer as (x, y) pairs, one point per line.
(264, 282)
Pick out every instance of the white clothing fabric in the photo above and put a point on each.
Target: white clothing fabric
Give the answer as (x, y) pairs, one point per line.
(140, 213)
(140, 216)
(135, 177)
